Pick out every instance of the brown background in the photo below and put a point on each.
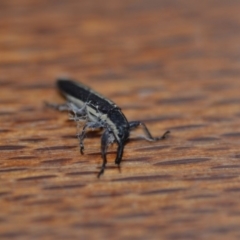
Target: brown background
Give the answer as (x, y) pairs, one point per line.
(174, 65)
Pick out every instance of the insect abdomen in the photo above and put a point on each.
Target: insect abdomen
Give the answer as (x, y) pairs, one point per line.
(79, 94)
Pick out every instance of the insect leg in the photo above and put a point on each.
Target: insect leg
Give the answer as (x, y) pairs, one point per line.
(119, 143)
(81, 138)
(78, 113)
(59, 107)
(104, 145)
(91, 125)
(148, 136)
(119, 153)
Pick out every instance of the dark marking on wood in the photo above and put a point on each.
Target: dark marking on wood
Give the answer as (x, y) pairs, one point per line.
(105, 195)
(151, 148)
(164, 191)
(64, 187)
(183, 220)
(179, 40)
(33, 139)
(232, 134)
(183, 161)
(188, 127)
(211, 178)
(183, 148)
(139, 159)
(227, 204)
(13, 235)
(28, 109)
(22, 158)
(5, 130)
(34, 178)
(96, 206)
(43, 219)
(20, 198)
(55, 148)
(72, 136)
(12, 170)
(170, 208)
(227, 166)
(143, 178)
(8, 101)
(6, 83)
(199, 196)
(92, 225)
(233, 189)
(45, 202)
(227, 72)
(216, 119)
(11, 147)
(218, 149)
(182, 236)
(235, 213)
(224, 229)
(217, 87)
(228, 101)
(81, 173)
(156, 227)
(203, 139)
(3, 220)
(135, 215)
(204, 211)
(31, 120)
(56, 161)
(6, 113)
(2, 194)
(191, 54)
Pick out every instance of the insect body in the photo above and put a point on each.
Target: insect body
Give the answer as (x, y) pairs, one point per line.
(98, 112)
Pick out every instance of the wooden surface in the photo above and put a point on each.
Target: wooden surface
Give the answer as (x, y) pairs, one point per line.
(173, 64)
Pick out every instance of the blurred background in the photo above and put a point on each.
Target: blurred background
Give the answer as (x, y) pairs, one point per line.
(173, 64)
(120, 40)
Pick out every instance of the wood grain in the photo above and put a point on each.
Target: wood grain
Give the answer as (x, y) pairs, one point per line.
(174, 65)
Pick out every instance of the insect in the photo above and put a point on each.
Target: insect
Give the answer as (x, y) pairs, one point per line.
(98, 112)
